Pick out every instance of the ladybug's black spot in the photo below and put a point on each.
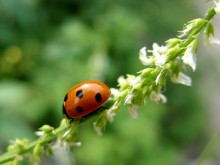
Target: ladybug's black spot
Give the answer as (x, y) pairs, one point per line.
(98, 97)
(79, 93)
(64, 110)
(66, 97)
(79, 109)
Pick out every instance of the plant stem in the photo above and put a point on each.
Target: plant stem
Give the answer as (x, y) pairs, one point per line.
(209, 15)
(9, 156)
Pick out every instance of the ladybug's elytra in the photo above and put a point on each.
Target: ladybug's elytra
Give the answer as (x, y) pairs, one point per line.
(85, 98)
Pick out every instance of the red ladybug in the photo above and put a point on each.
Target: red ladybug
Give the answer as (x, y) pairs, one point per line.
(85, 98)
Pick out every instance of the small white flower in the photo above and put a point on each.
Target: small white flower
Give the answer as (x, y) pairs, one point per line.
(182, 79)
(159, 54)
(77, 144)
(110, 115)
(190, 26)
(209, 35)
(158, 97)
(187, 28)
(121, 80)
(143, 57)
(133, 81)
(128, 99)
(114, 91)
(112, 112)
(158, 49)
(160, 60)
(158, 77)
(189, 57)
(143, 52)
(212, 40)
(217, 7)
(133, 111)
(39, 133)
(97, 129)
(61, 144)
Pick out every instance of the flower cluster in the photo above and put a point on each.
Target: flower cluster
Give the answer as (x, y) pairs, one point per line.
(161, 62)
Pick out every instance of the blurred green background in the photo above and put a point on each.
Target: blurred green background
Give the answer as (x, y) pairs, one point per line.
(46, 46)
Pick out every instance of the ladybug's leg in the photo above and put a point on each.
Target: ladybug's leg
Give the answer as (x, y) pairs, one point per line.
(90, 115)
(71, 120)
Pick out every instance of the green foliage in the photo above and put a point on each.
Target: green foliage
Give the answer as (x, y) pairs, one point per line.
(47, 46)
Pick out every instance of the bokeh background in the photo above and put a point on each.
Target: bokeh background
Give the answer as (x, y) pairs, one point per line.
(46, 46)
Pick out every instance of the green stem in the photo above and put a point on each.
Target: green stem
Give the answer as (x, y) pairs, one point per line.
(209, 15)
(9, 156)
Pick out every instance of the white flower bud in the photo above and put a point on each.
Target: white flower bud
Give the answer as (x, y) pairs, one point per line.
(217, 7)
(158, 97)
(182, 79)
(143, 57)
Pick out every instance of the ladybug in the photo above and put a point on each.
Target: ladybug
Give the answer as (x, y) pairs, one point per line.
(85, 98)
